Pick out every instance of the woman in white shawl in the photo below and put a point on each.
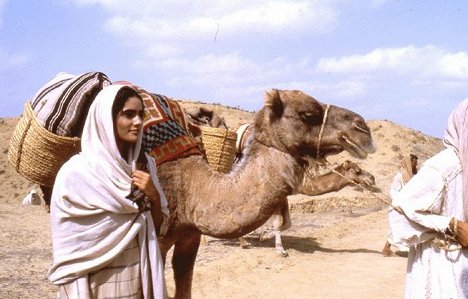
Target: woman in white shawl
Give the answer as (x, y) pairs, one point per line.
(104, 243)
(434, 204)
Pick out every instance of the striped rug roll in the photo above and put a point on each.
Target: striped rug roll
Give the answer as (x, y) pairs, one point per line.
(61, 105)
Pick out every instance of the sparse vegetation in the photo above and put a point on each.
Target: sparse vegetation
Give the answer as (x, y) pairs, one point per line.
(396, 148)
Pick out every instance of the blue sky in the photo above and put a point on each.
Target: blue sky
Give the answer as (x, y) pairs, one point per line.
(402, 61)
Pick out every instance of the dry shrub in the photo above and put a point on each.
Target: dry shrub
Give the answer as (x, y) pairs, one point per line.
(396, 148)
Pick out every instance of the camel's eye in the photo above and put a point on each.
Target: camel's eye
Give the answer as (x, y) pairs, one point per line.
(311, 118)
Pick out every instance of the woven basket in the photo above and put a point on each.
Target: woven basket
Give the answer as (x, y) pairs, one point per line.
(36, 153)
(220, 147)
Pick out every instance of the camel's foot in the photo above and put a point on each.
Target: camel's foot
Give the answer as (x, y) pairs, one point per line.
(47, 208)
(244, 243)
(387, 252)
(281, 252)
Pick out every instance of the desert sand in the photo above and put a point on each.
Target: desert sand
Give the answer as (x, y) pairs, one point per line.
(334, 244)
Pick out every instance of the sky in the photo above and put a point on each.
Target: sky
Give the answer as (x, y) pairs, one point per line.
(401, 61)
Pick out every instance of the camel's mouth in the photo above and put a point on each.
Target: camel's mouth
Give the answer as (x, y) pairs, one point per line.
(368, 182)
(355, 149)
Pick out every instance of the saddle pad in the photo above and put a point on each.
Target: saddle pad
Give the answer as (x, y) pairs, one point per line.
(165, 131)
(62, 104)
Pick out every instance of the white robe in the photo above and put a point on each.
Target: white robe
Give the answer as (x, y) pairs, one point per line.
(429, 201)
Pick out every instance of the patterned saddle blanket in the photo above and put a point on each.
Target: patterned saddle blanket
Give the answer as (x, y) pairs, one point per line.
(165, 130)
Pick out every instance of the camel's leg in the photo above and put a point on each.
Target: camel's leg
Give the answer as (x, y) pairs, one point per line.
(46, 195)
(277, 225)
(164, 247)
(183, 262)
(277, 220)
(286, 218)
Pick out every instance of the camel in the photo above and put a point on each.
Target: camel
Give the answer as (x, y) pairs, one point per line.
(290, 128)
(343, 175)
(204, 116)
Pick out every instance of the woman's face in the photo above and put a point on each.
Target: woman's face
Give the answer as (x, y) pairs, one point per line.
(129, 121)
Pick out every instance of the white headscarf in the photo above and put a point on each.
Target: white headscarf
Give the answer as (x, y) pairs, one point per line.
(92, 221)
(456, 138)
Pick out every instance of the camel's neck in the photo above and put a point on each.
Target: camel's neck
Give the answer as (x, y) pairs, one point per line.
(234, 204)
(321, 184)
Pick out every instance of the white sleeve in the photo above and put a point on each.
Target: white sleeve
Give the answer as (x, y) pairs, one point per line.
(397, 185)
(421, 200)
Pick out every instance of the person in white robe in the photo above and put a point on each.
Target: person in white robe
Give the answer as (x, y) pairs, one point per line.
(408, 168)
(104, 243)
(432, 220)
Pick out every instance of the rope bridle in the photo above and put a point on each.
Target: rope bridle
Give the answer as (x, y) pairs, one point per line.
(324, 121)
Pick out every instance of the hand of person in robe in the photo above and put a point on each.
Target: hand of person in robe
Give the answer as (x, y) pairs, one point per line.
(142, 180)
(462, 233)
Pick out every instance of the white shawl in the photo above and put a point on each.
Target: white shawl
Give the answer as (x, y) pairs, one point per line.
(92, 222)
(456, 138)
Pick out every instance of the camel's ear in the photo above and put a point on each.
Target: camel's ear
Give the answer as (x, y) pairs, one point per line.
(274, 103)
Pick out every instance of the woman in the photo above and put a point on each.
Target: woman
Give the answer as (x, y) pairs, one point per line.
(104, 243)
(435, 207)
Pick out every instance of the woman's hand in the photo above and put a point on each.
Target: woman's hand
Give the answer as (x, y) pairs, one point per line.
(462, 233)
(143, 181)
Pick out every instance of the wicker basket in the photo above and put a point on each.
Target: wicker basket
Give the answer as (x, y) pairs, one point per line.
(36, 153)
(220, 147)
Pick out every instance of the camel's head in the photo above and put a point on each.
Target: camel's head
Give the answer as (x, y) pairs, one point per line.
(295, 122)
(354, 173)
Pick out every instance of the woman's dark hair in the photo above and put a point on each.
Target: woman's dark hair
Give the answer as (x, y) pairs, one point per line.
(122, 95)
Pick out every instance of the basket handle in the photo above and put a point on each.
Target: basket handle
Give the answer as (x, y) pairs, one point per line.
(28, 110)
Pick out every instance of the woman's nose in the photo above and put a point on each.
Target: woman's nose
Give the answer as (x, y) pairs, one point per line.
(137, 120)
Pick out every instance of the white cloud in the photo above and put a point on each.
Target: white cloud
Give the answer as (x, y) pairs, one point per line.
(178, 38)
(454, 65)
(424, 62)
(178, 21)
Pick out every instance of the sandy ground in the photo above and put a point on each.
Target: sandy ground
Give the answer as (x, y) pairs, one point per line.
(331, 255)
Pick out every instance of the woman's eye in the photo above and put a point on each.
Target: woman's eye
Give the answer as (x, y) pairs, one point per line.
(130, 113)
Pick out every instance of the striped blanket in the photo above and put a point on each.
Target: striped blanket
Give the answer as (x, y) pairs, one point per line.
(165, 130)
(62, 104)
